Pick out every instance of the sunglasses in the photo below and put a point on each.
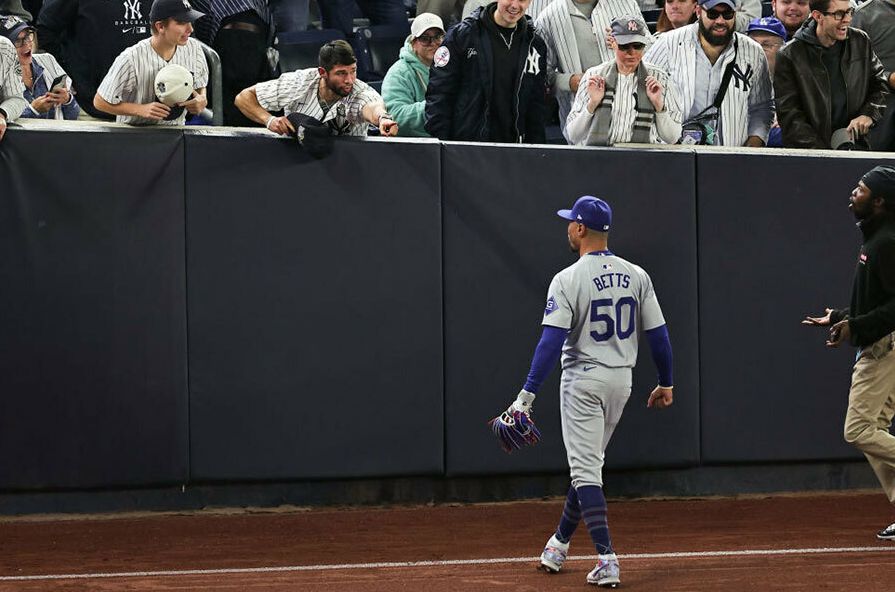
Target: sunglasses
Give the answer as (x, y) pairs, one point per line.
(29, 38)
(430, 39)
(631, 46)
(727, 15)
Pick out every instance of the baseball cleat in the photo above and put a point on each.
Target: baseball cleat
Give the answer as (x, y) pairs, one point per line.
(605, 573)
(553, 556)
(888, 533)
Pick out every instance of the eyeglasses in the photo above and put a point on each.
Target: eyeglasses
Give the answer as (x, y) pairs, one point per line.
(632, 47)
(840, 14)
(713, 14)
(29, 38)
(430, 39)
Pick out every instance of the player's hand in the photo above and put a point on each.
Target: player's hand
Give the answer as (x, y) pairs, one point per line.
(660, 398)
(388, 127)
(823, 321)
(43, 103)
(60, 96)
(281, 125)
(654, 91)
(596, 90)
(839, 333)
(156, 111)
(859, 126)
(195, 105)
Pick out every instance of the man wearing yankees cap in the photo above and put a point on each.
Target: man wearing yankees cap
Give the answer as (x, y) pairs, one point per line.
(869, 324)
(129, 89)
(596, 309)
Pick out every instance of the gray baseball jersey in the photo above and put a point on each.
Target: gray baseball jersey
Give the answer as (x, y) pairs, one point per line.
(603, 300)
(131, 79)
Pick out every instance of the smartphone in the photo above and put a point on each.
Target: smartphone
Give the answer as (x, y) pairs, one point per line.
(58, 83)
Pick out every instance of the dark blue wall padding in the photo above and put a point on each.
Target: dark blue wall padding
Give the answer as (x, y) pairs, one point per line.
(776, 243)
(93, 388)
(314, 309)
(502, 245)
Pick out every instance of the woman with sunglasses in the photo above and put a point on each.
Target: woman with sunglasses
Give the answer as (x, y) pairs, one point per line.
(405, 83)
(39, 71)
(625, 100)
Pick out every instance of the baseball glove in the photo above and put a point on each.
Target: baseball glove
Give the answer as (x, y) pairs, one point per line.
(514, 428)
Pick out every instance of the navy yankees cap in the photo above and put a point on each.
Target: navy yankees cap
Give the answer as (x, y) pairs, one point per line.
(179, 10)
(709, 4)
(11, 26)
(591, 211)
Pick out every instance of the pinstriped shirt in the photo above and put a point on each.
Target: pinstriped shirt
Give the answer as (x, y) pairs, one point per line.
(12, 99)
(748, 107)
(131, 79)
(217, 10)
(296, 92)
(665, 126)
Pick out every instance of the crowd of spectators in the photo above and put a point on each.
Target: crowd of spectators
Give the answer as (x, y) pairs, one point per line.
(813, 74)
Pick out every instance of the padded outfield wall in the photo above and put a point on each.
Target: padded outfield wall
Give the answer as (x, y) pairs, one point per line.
(197, 307)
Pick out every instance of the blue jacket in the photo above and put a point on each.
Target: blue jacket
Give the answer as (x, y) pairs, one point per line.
(459, 93)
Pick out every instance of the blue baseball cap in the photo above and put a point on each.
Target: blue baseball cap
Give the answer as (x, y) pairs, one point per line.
(768, 24)
(591, 211)
(709, 4)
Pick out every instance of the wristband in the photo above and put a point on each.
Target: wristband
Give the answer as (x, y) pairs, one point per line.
(269, 119)
(387, 115)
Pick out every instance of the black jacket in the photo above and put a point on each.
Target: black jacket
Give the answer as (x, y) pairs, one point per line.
(802, 86)
(871, 315)
(459, 92)
(87, 35)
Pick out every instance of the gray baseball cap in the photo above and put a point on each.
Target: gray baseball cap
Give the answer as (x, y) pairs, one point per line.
(629, 29)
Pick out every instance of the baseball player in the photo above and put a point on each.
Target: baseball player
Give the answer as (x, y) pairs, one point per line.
(128, 90)
(595, 311)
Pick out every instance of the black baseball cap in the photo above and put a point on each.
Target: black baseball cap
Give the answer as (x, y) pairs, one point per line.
(179, 10)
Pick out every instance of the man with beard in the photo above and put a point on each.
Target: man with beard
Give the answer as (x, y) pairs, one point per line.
(831, 88)
(330, 93)
(488, 79)
(869, 324)
(877, 19)
(697, 56)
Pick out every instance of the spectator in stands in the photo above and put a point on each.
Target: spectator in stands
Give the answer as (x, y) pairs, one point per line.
(239, 31)
(12, 102)
(746, 10)
(496, 49)
(771, 35)
(675, 14)
(696, 57)
(877, 19)
(339, 14)
(575, 34)
(128, 90)
(330, 93)
(534, 9)
(792, 13)
(831, 88)
(625, 100)
(86, 36)
(404, 86)
(39, 70)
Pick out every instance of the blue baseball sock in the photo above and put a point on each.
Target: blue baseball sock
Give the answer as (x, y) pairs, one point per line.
(593, 510)
(571, 516)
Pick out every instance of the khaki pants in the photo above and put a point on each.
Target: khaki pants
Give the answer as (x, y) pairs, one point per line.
(871, 406)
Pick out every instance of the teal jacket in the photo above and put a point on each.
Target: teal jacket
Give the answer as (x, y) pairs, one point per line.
(404, 92)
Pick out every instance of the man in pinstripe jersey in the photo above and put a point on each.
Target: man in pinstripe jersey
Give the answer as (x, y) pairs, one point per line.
(128, 90)
(12, 103)
(696, 57)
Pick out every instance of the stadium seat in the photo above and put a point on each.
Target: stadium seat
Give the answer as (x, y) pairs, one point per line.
(377, 48)
(299, 49)
(214, 91)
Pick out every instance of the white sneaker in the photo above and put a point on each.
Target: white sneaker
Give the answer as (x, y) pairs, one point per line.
(887, 534)
(606, 572)
(554, 554)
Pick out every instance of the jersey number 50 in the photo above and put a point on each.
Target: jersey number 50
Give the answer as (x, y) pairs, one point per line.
(613, 326)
